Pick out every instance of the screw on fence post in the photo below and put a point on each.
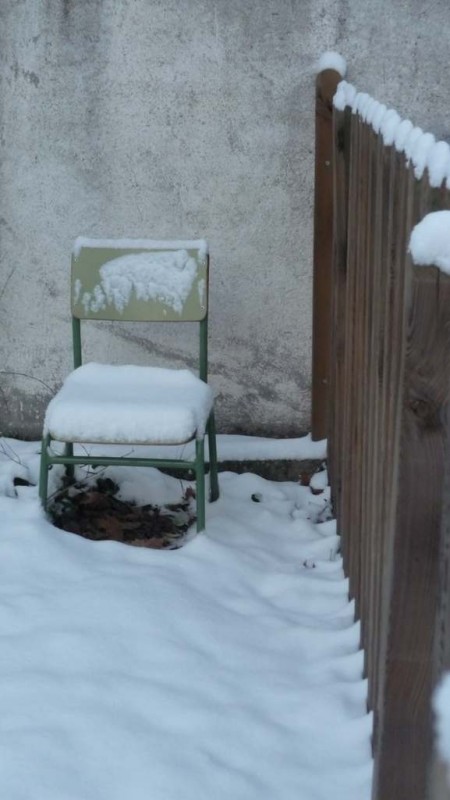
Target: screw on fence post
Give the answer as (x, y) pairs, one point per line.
(327, 81)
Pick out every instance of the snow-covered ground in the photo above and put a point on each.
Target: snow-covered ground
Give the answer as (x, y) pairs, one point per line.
(226, 670)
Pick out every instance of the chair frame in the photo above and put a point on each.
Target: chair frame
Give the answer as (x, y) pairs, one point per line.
(70, 461)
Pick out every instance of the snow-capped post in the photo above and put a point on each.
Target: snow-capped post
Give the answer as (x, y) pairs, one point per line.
(331, 70)
(418, 645)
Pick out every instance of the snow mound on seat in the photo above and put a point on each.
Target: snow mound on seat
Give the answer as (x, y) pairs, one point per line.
(129, 404)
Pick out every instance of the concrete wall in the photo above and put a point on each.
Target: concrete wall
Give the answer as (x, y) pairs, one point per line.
(185, 118)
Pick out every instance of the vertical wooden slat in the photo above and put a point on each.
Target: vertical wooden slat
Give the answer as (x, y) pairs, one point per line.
(359, 422)
(326, 85)
(369, 408)
(391, 335)
(351, 387)
(369, 488)
(341, 157)
(351, 554)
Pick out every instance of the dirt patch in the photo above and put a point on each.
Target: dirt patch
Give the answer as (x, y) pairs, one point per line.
(95, 512)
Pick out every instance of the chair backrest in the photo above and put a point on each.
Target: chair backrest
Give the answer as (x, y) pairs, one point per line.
(140, 280)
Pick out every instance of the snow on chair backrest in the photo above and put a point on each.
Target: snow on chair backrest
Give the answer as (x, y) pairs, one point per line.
(140, 280)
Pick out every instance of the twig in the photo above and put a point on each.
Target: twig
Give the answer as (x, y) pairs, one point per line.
(24, 375)
(13, 457)
(4, 398)
(3, 289)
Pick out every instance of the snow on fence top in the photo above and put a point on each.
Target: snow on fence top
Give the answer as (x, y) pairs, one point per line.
(421, 149)
(429, 244)
(331, 60)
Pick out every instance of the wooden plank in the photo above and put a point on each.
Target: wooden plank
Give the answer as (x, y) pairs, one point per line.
(326, 85)
(341, 157)
(405, 743)
(390, 366)
(355, 419)
(360, 368)
(351, 550)
(408, 196)
(370, 487)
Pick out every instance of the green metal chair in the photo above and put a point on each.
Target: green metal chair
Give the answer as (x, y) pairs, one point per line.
(135, 280)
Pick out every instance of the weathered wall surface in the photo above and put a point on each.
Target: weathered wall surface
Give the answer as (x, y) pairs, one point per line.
(185, 118)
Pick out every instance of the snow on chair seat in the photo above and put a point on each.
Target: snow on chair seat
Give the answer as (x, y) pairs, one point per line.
(129, 404)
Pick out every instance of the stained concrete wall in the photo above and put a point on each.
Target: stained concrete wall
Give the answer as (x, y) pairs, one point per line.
(185, 118)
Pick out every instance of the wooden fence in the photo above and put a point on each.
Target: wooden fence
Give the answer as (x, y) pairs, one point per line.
(381, 375)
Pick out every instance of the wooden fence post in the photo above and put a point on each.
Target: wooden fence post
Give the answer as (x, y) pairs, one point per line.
(326, 85)
(405, 744)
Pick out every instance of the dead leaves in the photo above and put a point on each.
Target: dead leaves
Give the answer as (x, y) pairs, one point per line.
(95, 512)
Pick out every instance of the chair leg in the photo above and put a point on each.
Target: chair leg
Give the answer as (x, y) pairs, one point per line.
(43, 473)
(212, 444)
(200, 475)
(68, 451)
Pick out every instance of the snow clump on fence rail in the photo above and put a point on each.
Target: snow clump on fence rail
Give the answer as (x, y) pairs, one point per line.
(401, 134)
(429, 244)
(419, 148)
(438, 162)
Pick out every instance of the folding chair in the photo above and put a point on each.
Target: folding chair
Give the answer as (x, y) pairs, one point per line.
(147, 281)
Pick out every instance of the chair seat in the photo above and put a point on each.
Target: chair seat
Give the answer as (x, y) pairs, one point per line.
(129, 404)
